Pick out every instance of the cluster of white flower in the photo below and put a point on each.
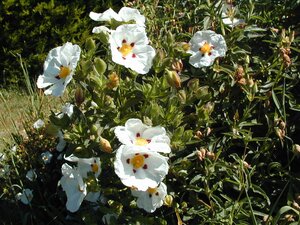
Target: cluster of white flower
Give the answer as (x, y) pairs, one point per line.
(139, 164)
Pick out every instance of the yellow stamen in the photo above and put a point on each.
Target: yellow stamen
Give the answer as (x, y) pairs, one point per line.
(95, 167)
(137, 161)
(125, 49)
(140, 141)
(205, 48)
(64, 72)
(151, 190)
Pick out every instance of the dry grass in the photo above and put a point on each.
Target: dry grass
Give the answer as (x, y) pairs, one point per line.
(17, 107)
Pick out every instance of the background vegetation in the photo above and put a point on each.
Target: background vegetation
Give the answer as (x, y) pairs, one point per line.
(234, 126)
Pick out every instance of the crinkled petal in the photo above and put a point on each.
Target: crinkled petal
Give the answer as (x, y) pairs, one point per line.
(150, 202)
(150, 174)
(101, 29)
(127, 14)
(105, 16)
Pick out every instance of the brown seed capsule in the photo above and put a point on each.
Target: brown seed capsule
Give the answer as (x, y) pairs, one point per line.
(79, 96)
(201, 153)
(296, 150)
(239, 73)
(198, 134)
(242, 81)
(113, 80)
(211, 155)
(105, 145)
(177, 65)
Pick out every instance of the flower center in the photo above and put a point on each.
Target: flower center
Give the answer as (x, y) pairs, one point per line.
(137, 161)
(125, 49)
(95, 167)
(205, 49)
(151, 190)
(140, 141)
(64, 71)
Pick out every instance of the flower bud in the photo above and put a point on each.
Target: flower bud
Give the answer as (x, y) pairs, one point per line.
(177, 65)
(168, 201)
(182, 96)
(239, 73)
(100, 65)
(295, 205)
(198, 135)
(242, 81)
(210, 155)
(193, 84)
(185, 46)
(113, 80)
(90, 44)
(173, 79)
(79, 96)
(201, 153)
(296, 149)
(105, 145)
(289, 217)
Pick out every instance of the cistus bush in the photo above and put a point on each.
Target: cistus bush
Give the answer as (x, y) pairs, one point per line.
(32, 27)
(176, 112)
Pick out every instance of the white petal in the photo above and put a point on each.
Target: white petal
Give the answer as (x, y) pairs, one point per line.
(101, 29)
(128, 14)
(151, 202)
(105, 16)
(55, 90)
(75, 189)
(135, 126)
(144, 177)
(38, 124)
(123, 135)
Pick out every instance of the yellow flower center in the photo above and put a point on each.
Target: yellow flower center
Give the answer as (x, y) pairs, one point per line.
(95, 167)
(205, 49)
(137, 161)
(140, 141)
(125, 49)
(64, 72)
(151, 190)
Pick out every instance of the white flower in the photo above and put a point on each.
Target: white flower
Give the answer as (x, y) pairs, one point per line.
(137, 167)
(61, 141)
(68, 109)
(129, 47)
(46, 157)
(86, 165)
(31, 175)
(101, 29)
(125, 14)
(136, 133)
(228, 13)
(151, 199)
(72, 183)
(26, 196)
(205, 47)
(59, 68)
(38, 124)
